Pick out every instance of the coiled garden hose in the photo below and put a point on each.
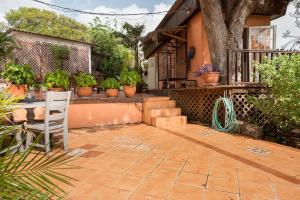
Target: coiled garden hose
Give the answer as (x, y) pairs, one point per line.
(230, 116)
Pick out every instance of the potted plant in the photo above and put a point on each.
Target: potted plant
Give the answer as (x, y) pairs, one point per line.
(19, 76)
(210, 74)
(57, 80)
(129, 79)
(84, 83)
(111, 87)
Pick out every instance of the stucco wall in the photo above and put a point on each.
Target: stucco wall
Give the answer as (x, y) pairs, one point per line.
(99, 114)
(197, 38)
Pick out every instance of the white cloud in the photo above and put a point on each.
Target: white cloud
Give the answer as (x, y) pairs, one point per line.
(151, 21)
(7, 5)
(283, 24)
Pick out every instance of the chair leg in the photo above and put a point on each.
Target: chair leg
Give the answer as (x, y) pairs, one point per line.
(29, 138)
(66, 138)
(47, 141)
(19, 142)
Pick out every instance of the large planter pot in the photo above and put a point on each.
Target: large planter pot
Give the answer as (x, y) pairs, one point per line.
(211, 78)
(17, 90)
(84, 91)
(56, 89)
(112, 92)
(129, 90)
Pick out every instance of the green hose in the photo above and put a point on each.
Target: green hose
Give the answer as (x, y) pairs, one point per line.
(230, 116)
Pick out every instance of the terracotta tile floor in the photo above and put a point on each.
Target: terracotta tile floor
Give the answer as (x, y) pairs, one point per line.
(139, 162)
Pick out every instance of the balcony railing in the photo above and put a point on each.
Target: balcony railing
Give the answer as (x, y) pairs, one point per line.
(241, 67)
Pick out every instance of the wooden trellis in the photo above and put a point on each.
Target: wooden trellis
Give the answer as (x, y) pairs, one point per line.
(197, 103)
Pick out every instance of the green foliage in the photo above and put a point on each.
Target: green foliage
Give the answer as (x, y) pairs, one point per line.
(18, 74)
(114, 56)
(131, 36)
(281, 104)
(7, 45)
(85, 80)
(110, 83)
(60, 53)
(57, 79)
(30, 174)
(130, 77)
(47, 23)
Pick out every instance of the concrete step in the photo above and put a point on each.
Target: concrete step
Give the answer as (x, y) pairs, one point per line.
(148, 114)
(156, 98)
(169, 121)
(159, 104)
(165, 112)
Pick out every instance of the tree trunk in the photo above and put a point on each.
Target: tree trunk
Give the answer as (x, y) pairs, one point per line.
(225, 32)
(136, 56)
(217, 34)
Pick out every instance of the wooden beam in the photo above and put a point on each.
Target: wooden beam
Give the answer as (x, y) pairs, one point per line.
(174, 36)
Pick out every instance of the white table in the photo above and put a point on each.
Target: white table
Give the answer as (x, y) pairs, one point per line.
(30, 105)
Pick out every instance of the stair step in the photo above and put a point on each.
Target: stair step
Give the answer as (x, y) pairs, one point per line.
(159, 104)
(164, 112)
(156, 98)
(150, 113)
(169, 121)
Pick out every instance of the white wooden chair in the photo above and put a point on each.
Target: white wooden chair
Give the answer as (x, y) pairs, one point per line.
(56, 120)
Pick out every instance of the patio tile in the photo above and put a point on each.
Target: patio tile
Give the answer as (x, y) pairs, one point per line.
(108, 193)
(287, 192)
(218, 195)
(223, 184)
(256, 190)
(174, 167)
(171, 165)
(144, 197)
(156, 186)
(125, 182)
(185, 192)
(253, 175)
(223, 172)
(197, 180)
(197, 167)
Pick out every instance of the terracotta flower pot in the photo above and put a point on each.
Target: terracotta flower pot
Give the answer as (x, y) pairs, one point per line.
(56, 89)
(17, 90)
(84, 91)
(211, 78)
(129, 90)
(112, 92)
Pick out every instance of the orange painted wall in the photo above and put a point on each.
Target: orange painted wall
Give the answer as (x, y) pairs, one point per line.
(99, 114)
(197, 37)
(258, 20)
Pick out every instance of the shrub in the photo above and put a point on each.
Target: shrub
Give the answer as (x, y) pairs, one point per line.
(110, 83)
(60, 53)
(18, 74)
(130, 77)
(57, 79)
(85, 80)
(281, 104)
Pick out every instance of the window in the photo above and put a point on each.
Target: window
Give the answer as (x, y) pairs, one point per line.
(261, 37)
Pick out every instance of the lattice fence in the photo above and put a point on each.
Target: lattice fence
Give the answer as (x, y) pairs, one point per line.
(40, 57)
(197, 104)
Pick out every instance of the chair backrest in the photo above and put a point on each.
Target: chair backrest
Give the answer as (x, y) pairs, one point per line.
(56, 113)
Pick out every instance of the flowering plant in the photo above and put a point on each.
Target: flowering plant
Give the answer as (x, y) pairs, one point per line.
(206, 68)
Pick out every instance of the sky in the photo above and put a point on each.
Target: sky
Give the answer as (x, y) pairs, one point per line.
(132, 6)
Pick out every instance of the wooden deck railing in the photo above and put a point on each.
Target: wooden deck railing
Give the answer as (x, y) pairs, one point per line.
(241, 67)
